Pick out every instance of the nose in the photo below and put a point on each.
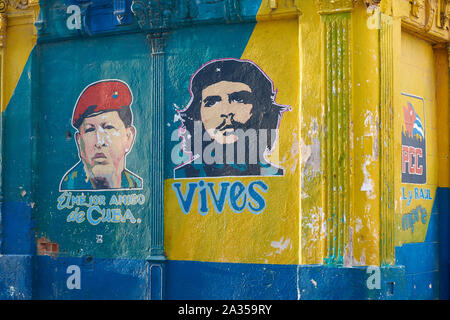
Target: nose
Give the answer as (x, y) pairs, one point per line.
(101, 141)
(227, 116)
(226, 107)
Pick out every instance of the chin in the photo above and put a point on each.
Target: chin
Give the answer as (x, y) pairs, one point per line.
(104, 171)
(226, 139)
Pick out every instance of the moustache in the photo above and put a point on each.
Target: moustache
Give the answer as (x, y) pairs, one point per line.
(232, 124)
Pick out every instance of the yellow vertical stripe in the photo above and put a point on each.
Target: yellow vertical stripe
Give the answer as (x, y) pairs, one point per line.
(20, 40)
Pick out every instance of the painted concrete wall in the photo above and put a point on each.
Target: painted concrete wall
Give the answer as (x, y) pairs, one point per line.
(327, 214)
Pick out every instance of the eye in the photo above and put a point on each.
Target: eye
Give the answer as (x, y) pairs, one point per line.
(210, 104)
(243, 97)
(211, 101)
(109, 127)
(89, 129)
(238, 100)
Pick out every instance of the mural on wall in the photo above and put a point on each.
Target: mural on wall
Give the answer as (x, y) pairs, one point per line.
(105, 135)
(414, 168)
(416, 194)
(230, 124)
(230, 162)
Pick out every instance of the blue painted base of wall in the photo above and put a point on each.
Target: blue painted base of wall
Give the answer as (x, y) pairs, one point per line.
(100, 279)
(15, 277)
(205, 280)
(17, 229)
(189, 280)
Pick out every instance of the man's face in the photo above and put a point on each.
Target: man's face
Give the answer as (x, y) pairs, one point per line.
(226, 106)
(103, 142)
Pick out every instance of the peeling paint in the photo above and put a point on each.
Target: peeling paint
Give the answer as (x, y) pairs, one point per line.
(306, 152)
(351, 134)
(358, 225)
(310, 154)
(310, 158)
(294, 151)
(349, 258)
(362, 260)
(281, 245)
(368, 184)
(371, 125)
(315, 221)
(348, 250)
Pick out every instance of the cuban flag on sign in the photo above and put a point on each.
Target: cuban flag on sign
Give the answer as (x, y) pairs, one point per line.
(417, 128)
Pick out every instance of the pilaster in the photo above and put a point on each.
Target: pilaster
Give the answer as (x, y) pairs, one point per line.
(337, 74)
(157, 44)
(386, 36)
(154, 16)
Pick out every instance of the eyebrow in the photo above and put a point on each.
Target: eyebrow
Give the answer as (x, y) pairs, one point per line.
(244, 94)
(210, 99)
(84, 125)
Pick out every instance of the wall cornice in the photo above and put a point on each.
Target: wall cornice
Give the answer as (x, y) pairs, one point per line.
(428, 19)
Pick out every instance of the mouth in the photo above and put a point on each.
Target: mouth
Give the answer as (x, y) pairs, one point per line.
(225, 127)
(99, 157)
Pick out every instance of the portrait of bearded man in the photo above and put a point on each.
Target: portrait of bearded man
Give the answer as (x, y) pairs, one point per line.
(232, 115)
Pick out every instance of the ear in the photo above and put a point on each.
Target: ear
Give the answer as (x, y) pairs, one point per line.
(78, 142)
(131, 134)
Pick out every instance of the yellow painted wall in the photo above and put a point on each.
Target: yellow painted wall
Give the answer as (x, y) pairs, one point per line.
(313, 220)
(362, 236)
(364, 141)
(441, 65)
(418, 76)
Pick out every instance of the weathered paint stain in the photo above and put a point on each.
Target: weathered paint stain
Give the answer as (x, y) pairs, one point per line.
(315, 221)
(281, 245)
(294, 152)
(349, 258)
(371, 125)
(368, 184)
(310, 156)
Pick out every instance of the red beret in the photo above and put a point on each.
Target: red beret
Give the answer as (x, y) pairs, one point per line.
(106, 95)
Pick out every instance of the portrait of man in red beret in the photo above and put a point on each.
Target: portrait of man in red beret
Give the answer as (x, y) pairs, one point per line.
(105, 135)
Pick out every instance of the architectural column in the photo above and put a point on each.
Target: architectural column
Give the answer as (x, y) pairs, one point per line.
(153, 19)
(386, 36)
(157, 44)
(336, 24)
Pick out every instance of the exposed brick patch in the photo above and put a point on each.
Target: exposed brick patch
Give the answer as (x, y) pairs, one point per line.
(46, 247)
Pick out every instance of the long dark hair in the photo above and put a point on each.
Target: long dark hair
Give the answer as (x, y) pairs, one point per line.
(266, 113)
